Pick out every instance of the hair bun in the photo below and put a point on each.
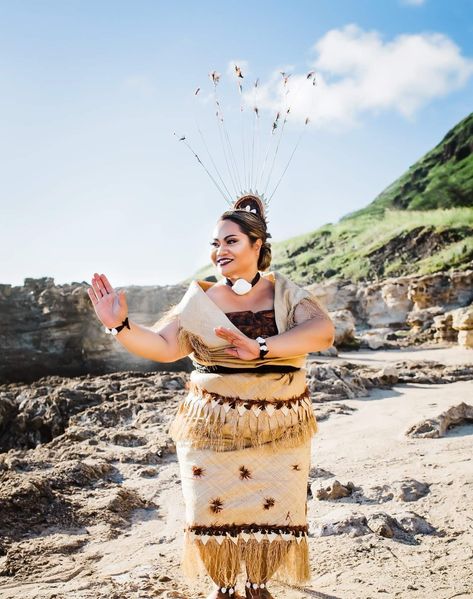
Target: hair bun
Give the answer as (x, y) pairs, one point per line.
(250, 203)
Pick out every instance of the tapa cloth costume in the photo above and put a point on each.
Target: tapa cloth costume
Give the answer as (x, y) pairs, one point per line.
(243, 440)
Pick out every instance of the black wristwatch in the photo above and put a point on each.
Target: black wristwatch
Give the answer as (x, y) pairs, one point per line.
(117, 329)
(263, 348)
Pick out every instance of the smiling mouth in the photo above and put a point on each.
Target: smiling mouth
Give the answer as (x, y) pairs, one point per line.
(224, 261)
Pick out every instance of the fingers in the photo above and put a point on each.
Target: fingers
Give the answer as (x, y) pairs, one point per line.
(231, 336)
(225, 331)
(94, 291)
(92, 296)
(100, 288)
(106, 283)
(96, 285)
(101, 285)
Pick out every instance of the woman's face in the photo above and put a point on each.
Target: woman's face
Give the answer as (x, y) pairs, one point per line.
(230, 243)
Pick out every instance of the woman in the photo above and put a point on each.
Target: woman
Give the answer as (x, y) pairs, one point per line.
(243, 433)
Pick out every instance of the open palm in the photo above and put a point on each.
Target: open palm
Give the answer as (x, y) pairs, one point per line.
(110, 306)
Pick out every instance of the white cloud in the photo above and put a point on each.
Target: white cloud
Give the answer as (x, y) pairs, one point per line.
(358, 73)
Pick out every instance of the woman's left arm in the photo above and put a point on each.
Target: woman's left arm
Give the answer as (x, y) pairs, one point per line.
(313, 331)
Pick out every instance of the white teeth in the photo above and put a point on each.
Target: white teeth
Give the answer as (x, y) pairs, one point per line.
(224, 261)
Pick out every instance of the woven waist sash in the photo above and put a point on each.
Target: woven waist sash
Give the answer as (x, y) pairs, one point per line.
(228, 369)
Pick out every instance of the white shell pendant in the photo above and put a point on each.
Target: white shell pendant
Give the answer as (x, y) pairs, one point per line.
(241, 286)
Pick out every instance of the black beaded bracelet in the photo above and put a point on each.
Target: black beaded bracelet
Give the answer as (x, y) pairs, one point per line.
(117, 329)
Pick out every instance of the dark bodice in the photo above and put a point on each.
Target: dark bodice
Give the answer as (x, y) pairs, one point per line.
(254, 324)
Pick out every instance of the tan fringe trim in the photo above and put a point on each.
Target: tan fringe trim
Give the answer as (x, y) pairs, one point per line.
(188, 342)
(233, 424)
(288, 559)
(312, 309)
(200, 348)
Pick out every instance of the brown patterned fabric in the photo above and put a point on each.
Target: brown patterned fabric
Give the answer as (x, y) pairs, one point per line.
(254, 324)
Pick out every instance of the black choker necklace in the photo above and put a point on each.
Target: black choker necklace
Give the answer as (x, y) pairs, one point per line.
(242, 286)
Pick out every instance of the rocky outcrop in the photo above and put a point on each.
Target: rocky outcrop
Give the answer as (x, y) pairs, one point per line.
(52, 329)
(112, 407)
(402, 311)
(344, 327)
(437, 427)
(394, 302)
(49, 329)
(462, 321)
(403, 526)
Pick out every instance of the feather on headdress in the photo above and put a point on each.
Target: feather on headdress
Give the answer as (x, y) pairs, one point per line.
(251, 175)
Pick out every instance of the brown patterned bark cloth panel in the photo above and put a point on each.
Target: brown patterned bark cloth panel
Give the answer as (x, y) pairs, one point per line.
(255, 324)
(248, 505)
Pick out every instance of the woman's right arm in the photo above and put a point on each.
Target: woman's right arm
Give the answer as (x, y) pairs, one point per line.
(161, 345)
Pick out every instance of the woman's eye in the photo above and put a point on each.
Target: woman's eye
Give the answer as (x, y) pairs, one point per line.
(215, 244)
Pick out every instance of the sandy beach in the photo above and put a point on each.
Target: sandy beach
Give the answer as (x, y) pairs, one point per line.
(363, 443)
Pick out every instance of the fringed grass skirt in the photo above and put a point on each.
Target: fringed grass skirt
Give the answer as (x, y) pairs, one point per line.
(245, 504)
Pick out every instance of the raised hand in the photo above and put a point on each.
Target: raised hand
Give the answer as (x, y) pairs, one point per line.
(244, 347)
(110, 306)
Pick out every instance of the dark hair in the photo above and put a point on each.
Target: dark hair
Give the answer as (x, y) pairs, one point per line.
(253, 225)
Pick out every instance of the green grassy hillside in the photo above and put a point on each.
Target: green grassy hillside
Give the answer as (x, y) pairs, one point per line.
(420, 224)
(442, 178)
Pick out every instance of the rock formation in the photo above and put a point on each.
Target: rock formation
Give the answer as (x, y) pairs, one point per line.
(52, 329)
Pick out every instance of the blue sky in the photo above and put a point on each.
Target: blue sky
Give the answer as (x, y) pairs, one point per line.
(93, 178)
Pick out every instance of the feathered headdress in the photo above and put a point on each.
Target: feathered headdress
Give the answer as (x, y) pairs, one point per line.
(249, 170)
